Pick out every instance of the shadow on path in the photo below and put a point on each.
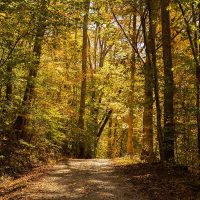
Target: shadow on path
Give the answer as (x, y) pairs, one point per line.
(82, 180)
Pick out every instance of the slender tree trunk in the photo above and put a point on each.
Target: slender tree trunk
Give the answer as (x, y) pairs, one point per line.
(130, 150)
(168, 83)
(21, 120)
(196, 37)
(148, 96)
(148, 111)
(104, 123)
(153, 7)
(132, 90)
(84, 66)
(198, 84)
(81, 120)
(97, 30)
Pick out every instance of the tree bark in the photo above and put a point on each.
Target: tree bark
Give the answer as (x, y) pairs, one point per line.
(198, 85)
(21, 120)
(84, 66)
(148, 95)
(132, 90)
(196, 18)
(81, 120)
(168, 83)
(104, 123)
(153, 7)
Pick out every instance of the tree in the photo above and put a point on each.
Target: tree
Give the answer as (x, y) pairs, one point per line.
(92, 78)
(22, 120)
(132, 89)
(168, 140)
(84, 73)
(153, 7)
(148, 91)
(193, 37)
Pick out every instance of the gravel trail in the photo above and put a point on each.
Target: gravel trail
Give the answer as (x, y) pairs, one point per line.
(94, 179)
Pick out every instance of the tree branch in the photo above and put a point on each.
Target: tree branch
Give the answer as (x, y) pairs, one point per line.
(128, 39)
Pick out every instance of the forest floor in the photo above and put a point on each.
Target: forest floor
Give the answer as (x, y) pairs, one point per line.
(99, 179)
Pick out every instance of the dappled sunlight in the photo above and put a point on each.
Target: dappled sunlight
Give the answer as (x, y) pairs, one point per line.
(115, 80)
(82, 179)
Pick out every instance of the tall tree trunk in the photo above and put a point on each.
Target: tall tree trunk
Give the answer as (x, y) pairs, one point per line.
(81, 120)
(168, 83)
(198, 84)
(153, 7)
(148, 96)
(196, 18)
(21, 120)
(132, 90)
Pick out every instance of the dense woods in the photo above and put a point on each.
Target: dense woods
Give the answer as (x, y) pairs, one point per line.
(105, 79)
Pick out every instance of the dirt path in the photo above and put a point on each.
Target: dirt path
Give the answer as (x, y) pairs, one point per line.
(83, 180)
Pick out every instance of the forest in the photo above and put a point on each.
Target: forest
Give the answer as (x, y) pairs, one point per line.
(99, 79)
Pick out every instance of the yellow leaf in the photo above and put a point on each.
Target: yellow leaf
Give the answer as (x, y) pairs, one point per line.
(2, 15)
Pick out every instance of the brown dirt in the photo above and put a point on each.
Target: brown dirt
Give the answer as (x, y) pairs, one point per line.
(103, 180)
(161, 182)
(80, 180)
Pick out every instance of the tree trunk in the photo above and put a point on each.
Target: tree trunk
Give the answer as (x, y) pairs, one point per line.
(168, 83)
(104, 123)
(196, 18)
(131, 95)
(153, 7)
(21, 120)
(198, 84)
(81, 120)
(148, 96)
